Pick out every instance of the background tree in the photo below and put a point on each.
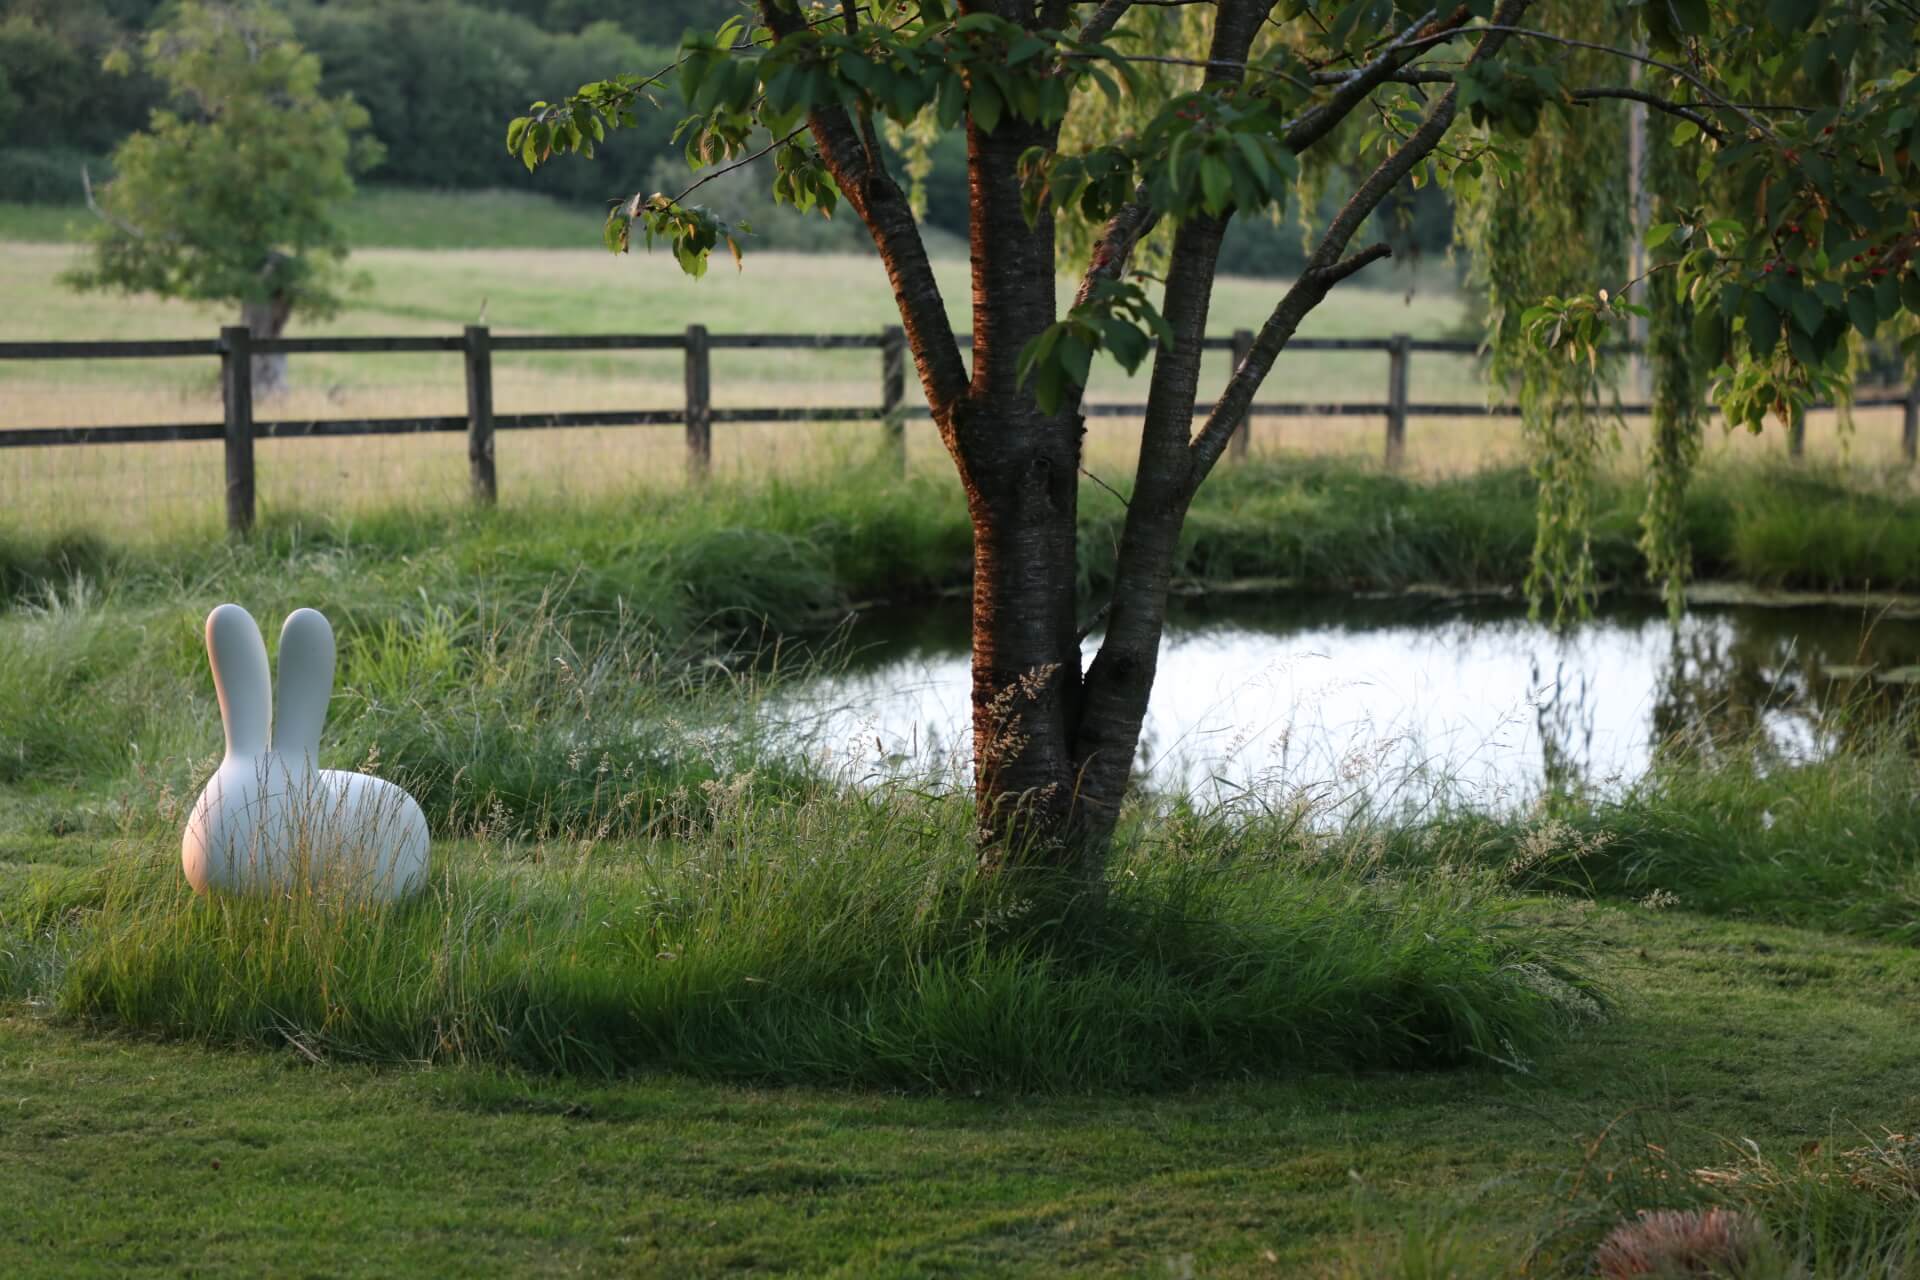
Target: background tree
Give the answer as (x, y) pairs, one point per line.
(1805, 235)
(231, 195)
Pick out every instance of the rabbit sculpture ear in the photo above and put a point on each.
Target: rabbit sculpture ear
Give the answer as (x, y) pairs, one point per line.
(305, 685)
(238, 656)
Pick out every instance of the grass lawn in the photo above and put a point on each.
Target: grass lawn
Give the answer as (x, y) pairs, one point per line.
(120, 1152)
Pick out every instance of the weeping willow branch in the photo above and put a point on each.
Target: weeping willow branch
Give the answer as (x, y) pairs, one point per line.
(1677, 396)
(1567, 430)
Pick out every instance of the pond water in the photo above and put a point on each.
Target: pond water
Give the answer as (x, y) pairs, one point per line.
(1404, 696)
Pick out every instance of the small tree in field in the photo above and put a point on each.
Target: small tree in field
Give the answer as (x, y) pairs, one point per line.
(1125, 123)
(232, 195)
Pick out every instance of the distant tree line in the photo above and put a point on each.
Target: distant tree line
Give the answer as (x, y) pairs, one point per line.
(438, 78)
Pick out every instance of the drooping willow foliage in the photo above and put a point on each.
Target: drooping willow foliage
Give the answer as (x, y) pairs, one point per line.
(1558, 228)
(1678, 389)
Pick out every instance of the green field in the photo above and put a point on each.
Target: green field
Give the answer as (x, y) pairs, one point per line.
(526, 265)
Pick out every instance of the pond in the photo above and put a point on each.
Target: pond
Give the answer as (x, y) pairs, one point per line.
(1401, 697)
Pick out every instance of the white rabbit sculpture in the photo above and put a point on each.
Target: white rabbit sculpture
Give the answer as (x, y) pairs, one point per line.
(270, 819)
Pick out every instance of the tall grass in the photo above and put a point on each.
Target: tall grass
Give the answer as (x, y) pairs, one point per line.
(789, 548)
(1829, 840)
(836, 936)
(1843, 1208)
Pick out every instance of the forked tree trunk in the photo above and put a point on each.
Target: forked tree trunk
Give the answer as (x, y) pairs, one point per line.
(267, 318)
(1054, 746)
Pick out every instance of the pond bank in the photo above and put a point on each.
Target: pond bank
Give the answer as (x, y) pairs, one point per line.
(785, 554)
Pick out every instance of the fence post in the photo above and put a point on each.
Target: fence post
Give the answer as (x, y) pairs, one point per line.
(1242, 438)
(893, 389)
(236, 392)
(699, 405)
(1398, 351)
(1797, 435)
(479, 358)
(1910, 422)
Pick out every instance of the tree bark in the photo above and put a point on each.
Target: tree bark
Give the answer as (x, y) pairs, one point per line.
(1020, 467)
(267, 318)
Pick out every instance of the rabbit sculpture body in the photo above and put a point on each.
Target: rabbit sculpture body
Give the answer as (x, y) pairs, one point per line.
(270, 819)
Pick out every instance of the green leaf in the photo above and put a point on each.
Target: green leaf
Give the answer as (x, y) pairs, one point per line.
(985, 105)
(1256, 159)
(1763, 327)
(1791, 15)
(1692, 17)
(1660, 232)
(1076, 357)
(1862, 311)
(1801, 344)
(1807, 312)
(1709, 335)
(1216, 181)
(1886, 297)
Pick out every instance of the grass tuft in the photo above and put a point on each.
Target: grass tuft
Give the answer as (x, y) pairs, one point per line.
(836, 938)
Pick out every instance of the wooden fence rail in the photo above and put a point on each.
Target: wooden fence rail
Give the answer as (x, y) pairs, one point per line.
(236, 347)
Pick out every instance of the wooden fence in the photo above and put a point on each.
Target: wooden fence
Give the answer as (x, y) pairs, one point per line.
(236, 347)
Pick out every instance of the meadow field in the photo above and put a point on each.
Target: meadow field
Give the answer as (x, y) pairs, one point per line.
(691, 994)
(540, 272)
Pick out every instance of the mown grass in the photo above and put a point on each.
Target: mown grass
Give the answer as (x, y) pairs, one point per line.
(124, 1152)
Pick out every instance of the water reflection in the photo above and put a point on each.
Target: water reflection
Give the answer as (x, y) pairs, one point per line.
(1406, 696)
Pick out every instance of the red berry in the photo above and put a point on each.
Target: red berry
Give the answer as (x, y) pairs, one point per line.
(1792, 270)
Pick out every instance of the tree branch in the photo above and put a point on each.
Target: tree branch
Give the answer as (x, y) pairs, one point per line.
(1111, 253)
(1326, 267)
(1347, 266)
(93, 206)
(1714, 99)
(883, 206)
(741, 163)
(1684, 110)
(1356, 85)
(1104, 19)
(1659, 103)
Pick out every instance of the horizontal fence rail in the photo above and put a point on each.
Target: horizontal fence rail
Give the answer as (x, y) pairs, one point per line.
(236, 347)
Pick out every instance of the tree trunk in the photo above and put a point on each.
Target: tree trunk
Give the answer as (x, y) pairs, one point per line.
(1053, 751)
(1026, 650)
(1020, 467)
(267, 318)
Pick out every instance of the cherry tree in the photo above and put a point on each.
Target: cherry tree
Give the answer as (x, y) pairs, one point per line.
(1100, 135)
